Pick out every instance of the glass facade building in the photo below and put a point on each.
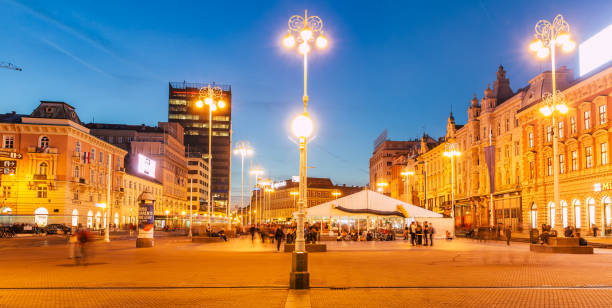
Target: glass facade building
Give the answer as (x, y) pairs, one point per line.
(182, 109)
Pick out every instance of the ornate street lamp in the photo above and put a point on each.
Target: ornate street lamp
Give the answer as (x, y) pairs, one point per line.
(451, 150)
(548, 37)
(242, 149)
(213, 97)
(257, 172)
(303, 30)
(407, 175)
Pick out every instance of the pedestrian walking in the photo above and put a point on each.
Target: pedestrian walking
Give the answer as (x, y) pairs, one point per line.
(595, 230)
(413, 233)
(81, 253)
(419, 233)
(508, 232)
(425, 233)
(278, 235)
(431, 233)
(252, 230)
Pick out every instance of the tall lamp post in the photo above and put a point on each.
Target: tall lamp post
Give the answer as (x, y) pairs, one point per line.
(257, 172)
(381, 187)
(451, 150)
(407, 175)
(243, 149)
(303, 30)
(549, 36)
(213, 97)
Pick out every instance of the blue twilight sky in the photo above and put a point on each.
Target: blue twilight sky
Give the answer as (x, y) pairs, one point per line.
(399, 65)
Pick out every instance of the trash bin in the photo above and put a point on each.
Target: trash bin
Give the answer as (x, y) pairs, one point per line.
(534, 236)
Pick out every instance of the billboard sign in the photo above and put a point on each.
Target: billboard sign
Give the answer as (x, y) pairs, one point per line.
(146, 220)
(595, 51)
(146, 166)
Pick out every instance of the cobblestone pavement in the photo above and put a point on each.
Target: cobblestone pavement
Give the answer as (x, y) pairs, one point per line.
(176, 272)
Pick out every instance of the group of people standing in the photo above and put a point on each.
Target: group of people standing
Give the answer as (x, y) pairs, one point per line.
(420, 234)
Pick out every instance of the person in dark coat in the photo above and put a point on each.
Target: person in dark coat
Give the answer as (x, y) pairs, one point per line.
(419, 233)
(252, 230)
(508, 233)
(425, 232)
(430, 231)
(278, 235)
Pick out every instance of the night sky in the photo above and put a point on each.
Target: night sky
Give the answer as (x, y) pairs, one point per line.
(400, 65)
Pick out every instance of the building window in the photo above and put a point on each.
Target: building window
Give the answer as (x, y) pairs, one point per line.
(577, 218)
(531, 139)
(92, 176)
(602, 114)
(41, 191)
(561, 135)
(77, 172)
(604, 153)
(78, 147)
(507, 124)
(534, 216)
(42, 168)
(101, 157)
(549, 165)
(574, 160)
(587, 119)
(93, 155)
(588, 155)
(552, 214)
(561, 163)
(44, 142)
(9, 142)
(564, 213)
(573, 124)
(549, 131)
(6, 191)
(76, 194)
(498, 129)
(531, 170)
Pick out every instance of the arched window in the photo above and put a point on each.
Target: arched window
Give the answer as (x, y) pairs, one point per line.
(6, 211)
(607, 205)
(591, 206)
(42, 168)
(75, 218)
(77, 172)
(534, 216)
(44, 142)
(577, 216)
(116, 222)
(564, 213)
(551, 214)
(40, 216)
(90, 219)
(98, 222)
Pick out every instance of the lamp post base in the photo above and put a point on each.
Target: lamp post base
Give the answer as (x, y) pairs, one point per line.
(299, 278)
(144, 242)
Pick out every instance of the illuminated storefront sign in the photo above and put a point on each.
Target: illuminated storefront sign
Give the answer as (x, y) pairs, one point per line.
(277, 185)
(602, 186)
(146, 165)
(595, 51)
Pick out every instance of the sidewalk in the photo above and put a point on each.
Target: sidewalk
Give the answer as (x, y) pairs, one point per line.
(598, 242)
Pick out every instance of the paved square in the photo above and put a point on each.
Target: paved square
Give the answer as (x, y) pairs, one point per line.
(176, 272)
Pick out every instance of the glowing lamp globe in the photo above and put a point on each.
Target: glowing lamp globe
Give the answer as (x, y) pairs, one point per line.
(543, 52)
(306, 34)
(208, 101)
(569, 46)
(536, 45)
(212, 107)
(304, 48)
(289, 41)
(221, 104)
(199, 104)
(563, 38)
(321, 41)
(302, 126)
(562, 108)
(546, 111)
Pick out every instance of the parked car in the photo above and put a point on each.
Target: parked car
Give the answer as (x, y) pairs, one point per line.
(57, 229)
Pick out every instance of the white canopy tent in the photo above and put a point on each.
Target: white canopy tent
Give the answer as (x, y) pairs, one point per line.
(369, 204)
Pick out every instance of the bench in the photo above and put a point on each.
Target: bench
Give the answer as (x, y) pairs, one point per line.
(569, 245)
